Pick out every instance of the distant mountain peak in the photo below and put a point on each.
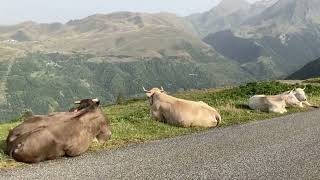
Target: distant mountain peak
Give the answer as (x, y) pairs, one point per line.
(230, 6)
(230, 3)
(265, 3)
(294, 12)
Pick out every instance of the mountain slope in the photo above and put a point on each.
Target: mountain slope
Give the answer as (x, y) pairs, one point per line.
(117, 34)
(228, 14)
(43, 83)
(281, 30)
(296, 11)
(285, 36)
(310, 70)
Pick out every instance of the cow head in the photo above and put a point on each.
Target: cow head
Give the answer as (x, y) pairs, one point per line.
(85, 103)
(149, 93)
(291, 99)
(300, 94)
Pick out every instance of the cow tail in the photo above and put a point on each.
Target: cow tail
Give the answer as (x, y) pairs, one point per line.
(11, 152)
(15, 149)
(218, 118)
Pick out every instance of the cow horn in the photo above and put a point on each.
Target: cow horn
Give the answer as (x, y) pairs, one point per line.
(77, 102)
(144, 89)
(304, 87)
(162, 90)
(95, 100)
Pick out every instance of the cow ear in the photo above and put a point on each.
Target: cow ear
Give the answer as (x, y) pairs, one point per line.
(95, 100)
(149, 94)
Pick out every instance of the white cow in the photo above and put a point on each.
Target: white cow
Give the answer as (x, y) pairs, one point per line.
(276, 103)
(180, 112)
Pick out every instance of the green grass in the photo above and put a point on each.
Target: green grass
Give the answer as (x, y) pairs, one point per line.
(314, 81)
(131, 122)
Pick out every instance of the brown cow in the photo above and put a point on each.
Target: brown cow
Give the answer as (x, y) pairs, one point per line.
(180, 112)
(67, 133)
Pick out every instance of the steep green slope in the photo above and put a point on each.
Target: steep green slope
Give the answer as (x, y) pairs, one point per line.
(44, 83)
(237, 48)
(310, 70)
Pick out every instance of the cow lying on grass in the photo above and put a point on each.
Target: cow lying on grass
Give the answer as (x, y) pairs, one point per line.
(276, 104)
(64, 133)
(180, 112)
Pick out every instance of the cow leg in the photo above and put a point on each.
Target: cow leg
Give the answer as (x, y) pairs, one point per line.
(78, 147)
(38, 146)
(104, 133)
(301, 104)
(158, 116)
(276, 109)
(55, 150)
(76, 151)
(306, 103)
(23, 154)
(272, 109)
(95, 140)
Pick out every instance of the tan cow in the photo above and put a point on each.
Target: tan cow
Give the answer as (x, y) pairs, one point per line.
(67, 133)
(180, 112)
(276, 103)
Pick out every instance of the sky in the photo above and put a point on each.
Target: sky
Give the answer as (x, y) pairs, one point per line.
(47, 11)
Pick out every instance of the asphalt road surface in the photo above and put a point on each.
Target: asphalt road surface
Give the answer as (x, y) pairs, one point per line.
(281, 148)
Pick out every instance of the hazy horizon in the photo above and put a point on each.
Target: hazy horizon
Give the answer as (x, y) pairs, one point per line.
(43, 11)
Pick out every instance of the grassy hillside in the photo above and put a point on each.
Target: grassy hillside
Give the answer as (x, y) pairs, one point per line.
(43, 83)
(131, 122)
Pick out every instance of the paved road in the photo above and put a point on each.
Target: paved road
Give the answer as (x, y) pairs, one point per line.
(280, 148)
